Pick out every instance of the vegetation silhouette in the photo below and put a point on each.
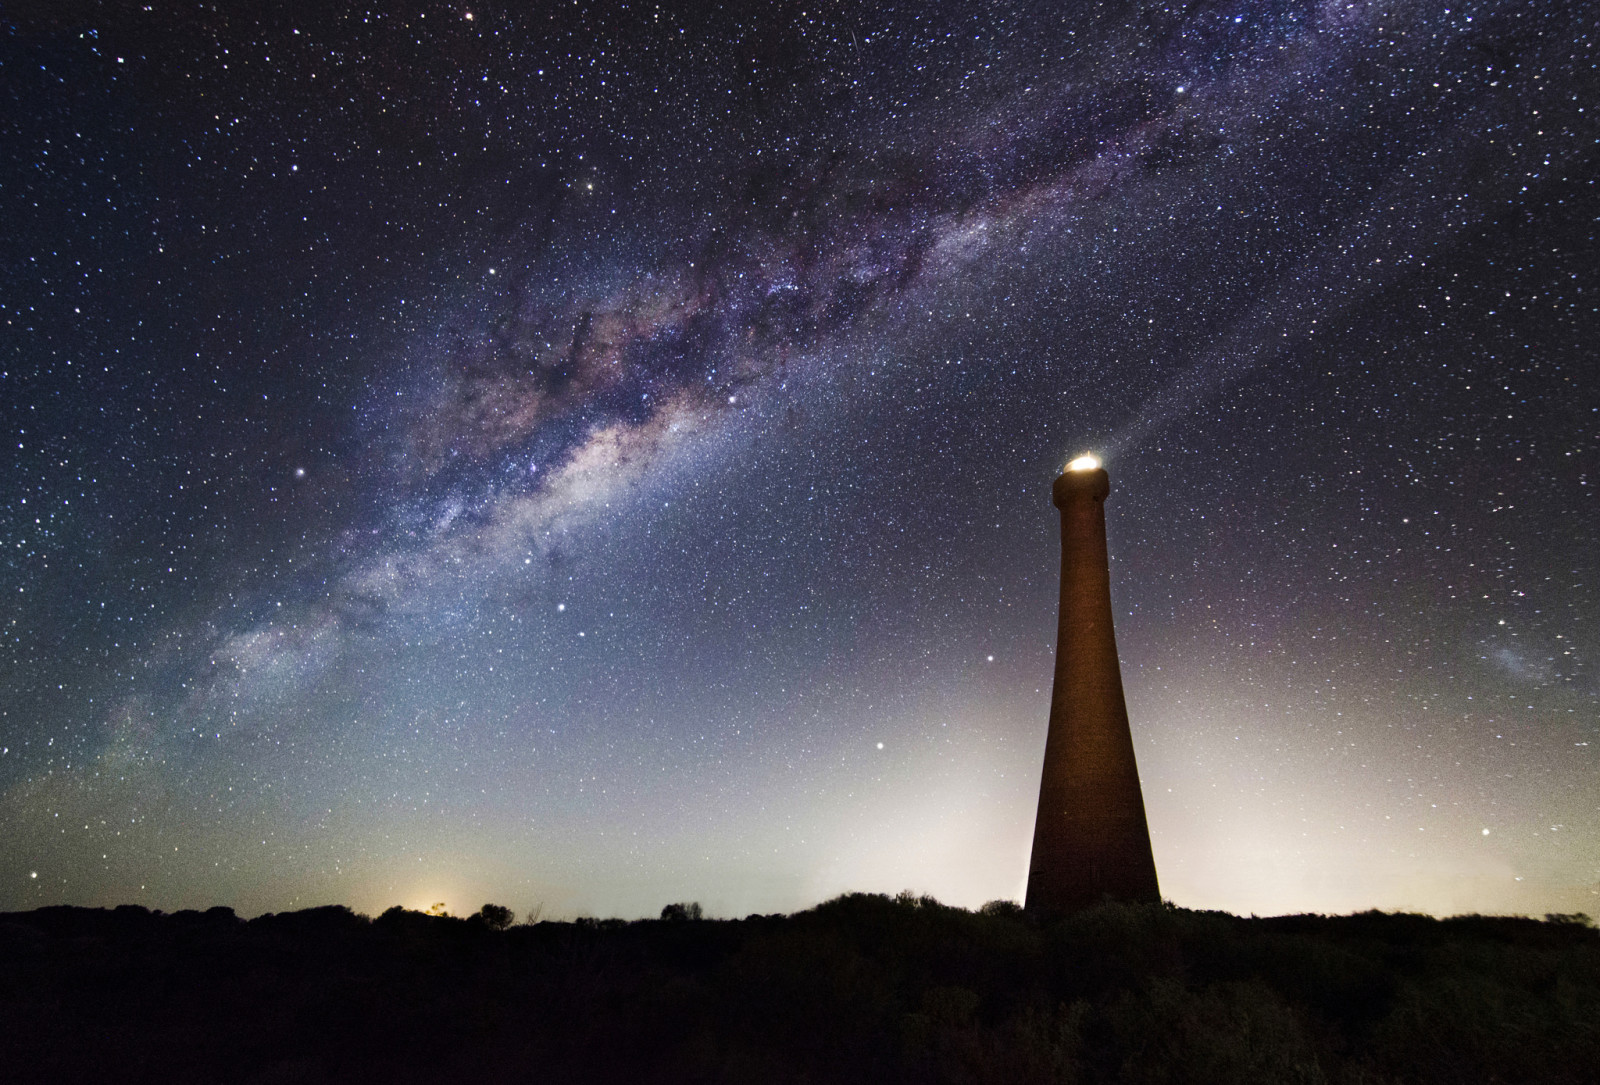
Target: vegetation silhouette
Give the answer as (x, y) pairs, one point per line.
(861, 988)
(495, 917)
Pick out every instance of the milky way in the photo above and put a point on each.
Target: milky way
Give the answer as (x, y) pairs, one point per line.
(594, 459)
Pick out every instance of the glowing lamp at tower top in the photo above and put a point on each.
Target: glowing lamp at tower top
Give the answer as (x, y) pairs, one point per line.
(1086, 462)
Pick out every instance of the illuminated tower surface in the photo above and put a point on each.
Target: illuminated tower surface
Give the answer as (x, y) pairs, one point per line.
(1090, 839)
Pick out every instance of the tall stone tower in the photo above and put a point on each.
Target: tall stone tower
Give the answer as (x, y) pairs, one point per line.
(1090, 840)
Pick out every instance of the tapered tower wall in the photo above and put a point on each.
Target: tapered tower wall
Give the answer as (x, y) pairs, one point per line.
(1090, 838)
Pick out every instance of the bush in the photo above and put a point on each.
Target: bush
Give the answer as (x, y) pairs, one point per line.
(863, 988)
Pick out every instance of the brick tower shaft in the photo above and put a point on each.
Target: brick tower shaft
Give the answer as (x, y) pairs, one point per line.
(1090, 838)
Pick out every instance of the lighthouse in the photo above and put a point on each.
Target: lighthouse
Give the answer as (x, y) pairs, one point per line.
(1090, 839)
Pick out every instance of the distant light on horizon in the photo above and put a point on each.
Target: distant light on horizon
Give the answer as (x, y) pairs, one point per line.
(1086, 462)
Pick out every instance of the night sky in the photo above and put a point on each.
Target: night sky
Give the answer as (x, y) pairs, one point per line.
(592, 456)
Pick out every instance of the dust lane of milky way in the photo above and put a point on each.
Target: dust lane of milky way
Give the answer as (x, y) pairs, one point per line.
(675, 522)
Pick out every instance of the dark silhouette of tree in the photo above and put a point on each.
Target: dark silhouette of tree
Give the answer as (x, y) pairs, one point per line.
(495, 916)
(690, 910)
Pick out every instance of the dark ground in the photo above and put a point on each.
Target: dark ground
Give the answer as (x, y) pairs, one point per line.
(863, 988)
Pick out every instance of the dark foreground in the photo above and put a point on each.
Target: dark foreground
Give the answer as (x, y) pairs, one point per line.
(863, 988)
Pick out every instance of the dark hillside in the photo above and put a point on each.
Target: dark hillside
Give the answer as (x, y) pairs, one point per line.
(862, 988)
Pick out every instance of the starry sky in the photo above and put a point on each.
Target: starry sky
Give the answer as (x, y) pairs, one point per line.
(589, 456)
